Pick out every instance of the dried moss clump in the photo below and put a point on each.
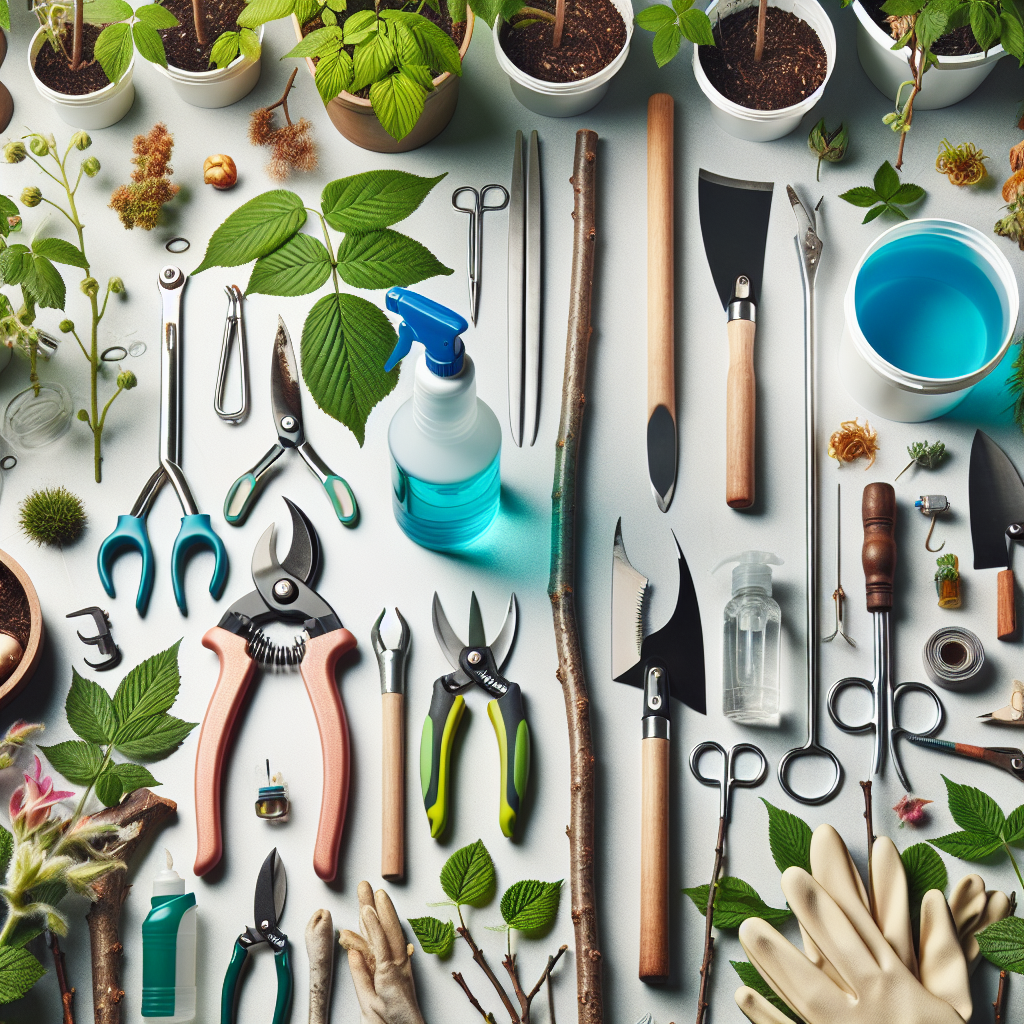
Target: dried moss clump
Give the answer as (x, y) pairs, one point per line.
(52, 516)
(138, 204)
(291, 145)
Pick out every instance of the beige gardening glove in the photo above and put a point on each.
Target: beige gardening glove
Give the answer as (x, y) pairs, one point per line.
(974, 910)
(379, 962)
(858, 968)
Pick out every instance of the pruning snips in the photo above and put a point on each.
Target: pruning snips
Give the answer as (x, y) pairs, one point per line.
(271, 890)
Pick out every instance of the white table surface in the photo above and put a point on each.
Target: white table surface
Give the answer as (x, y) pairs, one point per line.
(377, 565)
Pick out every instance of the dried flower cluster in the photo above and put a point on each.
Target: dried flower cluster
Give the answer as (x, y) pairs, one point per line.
(852, 441)
(963, 164)
(291, 145)
(910, 810)
(138, 204)
(1012, 225)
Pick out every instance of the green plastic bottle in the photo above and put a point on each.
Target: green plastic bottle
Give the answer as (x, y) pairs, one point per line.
(169, 951)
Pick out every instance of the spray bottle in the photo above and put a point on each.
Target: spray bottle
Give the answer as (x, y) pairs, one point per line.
(169, 951)
(445, 442)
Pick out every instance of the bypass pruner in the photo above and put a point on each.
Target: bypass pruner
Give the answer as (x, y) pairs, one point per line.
(480, 663)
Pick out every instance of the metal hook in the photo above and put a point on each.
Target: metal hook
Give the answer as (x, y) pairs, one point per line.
(234, 329)
(933, 506)
(839, 595)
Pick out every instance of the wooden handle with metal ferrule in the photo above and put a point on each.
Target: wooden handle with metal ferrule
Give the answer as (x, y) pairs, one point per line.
(654, 965)
(661, 376)
(392, 855)
(878, 556)
(1006, 621)
(317, 668)
(739, 415)
(236, 672)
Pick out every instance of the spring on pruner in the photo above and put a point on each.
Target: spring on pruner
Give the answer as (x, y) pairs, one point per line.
(262, 649)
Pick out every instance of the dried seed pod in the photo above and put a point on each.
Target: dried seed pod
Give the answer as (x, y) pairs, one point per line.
(963, 164)
(853, 441)
(219, 171)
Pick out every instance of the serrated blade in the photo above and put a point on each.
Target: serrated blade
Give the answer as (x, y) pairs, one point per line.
(628, 590)
(997, 500)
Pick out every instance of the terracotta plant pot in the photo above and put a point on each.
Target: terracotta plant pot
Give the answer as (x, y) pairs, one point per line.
(355, 119)
(12, 685)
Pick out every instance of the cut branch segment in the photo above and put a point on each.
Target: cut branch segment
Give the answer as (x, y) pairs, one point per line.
(562, 582)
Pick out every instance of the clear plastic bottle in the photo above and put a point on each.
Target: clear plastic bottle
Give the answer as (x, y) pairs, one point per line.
(445, 442)
(169, 952)
(751, 648)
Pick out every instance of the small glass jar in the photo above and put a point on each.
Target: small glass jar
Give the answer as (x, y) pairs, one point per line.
(38, 416)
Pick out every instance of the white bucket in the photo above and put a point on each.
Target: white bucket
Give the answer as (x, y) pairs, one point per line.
(94, 110)
(564, 99)
(897, 394)
(218, 87)
(953, 79)
(766, 125)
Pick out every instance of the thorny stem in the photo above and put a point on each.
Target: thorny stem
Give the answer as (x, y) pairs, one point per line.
(283, 101)
(999, 1006)
(869, 821)
(709, 917)
(67, 995)
(917, 69)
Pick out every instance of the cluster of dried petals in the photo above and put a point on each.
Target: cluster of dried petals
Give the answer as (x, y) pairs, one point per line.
(910, 810)
(900, 25)
(291, 145)
(152, 153)
(853, 441)
(138, 204)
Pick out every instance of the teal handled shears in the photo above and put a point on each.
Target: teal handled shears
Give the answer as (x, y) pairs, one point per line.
(196, 531)
(271, 890)
(285, 394)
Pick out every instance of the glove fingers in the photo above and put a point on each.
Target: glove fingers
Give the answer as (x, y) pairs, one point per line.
(362, 979)
(365, 893)
(392, 927)
(758, 1009)
(943, 966)
(892, 900)
(973, 910)
(815, 956)
(371, 928)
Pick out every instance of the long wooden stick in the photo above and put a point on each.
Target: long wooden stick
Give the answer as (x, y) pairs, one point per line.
(67, 994)
(709, 917)
(562, 583)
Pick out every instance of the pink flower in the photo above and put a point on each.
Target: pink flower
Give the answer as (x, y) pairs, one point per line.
(910, 810)
(31, 803)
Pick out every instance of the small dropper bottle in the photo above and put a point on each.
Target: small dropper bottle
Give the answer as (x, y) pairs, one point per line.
(169, 951)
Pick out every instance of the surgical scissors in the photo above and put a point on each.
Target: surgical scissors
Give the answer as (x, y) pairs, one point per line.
(476, 236)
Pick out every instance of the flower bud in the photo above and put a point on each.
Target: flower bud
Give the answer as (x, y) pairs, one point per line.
(127, 380)
(14, 223)
(14, 152)
(31, 196)
(66, 326)
(90, 167)
(116, 285)
(39, 145)
(83, 415)
(889, 118)
(81, 140)
(90, 286)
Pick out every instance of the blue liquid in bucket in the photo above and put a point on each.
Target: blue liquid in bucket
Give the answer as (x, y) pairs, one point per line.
(926, 306)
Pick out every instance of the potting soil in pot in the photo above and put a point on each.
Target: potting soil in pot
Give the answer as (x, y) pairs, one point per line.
(182, 46)
(792, 66)
(594, 33)
(53, 70)
(957, 43)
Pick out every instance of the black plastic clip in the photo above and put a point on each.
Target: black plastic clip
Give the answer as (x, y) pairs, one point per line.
(104, 641)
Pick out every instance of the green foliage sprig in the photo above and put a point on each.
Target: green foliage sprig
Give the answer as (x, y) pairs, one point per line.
(947, 568)
(923, 454)
(127, 30)
(888, 193)
(17, 325)
(671, 24)
(345, 339)
(53, 515)
(828, 145)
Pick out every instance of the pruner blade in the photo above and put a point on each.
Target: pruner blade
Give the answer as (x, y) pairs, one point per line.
(808, 241)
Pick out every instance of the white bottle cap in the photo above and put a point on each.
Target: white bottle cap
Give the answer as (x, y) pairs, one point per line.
(168, 882)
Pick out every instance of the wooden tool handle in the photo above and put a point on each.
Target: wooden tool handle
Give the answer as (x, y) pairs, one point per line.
(317, 668)
(878, 556)
(739, 416)
(1006, 622)
(654, 861)
(236, 672)
(392, 856)
(661, 376)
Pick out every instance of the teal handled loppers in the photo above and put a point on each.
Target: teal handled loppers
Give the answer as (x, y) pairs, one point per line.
(285, 394)
(480, 663)
(271, 889)
(130, 534)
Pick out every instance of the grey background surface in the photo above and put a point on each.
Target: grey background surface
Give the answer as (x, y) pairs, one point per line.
(377, 565)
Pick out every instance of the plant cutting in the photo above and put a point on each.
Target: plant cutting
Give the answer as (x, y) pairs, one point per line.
(925, 455)
(346, 339)
(886, 194)
(828, 145)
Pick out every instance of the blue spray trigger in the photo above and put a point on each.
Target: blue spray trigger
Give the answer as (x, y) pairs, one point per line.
(437, 328)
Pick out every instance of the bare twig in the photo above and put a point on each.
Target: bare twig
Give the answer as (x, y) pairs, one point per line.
(709, 917)
(869, 820)
(999, 1006)
(917, 70)
(561, 585)
(509, 963)
(482, 963)
(283, 101)
(472, 998)
(552, 960)
(556, 39)
(551, 999)
(67, 995)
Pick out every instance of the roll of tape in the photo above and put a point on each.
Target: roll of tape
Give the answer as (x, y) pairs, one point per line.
(953, 656)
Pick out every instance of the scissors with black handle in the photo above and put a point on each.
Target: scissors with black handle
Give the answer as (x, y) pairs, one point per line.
(476, 213)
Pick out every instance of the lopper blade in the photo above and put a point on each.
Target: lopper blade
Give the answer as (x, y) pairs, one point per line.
(271, 891)
(285, 391)
(628, 590)
(304, 553)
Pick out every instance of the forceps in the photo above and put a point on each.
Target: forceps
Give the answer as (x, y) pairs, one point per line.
(234, 331)
(476, 213)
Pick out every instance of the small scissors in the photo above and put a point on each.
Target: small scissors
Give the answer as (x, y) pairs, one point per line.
(476, 236)
(728, 778)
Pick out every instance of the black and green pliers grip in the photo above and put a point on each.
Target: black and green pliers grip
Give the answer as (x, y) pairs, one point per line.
(439, 728)
(282, 962)
(509, 720)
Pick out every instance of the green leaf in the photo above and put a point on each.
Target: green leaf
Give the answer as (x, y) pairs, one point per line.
(886, 181)
(15, 263)
(902, 8)
(879, 210)
(932, 23)
(156, 16)
(681, 6)
(259, 12)
(7, 209)
(750, 977)
(19, 971)
(60, 251)
(434, 47)
(861, 196)
(133, 777)
(1012, 36)
(456, 11)
(735, 901)
(420, 74)
(967, 845)
(1002, 943)
(345, 343)
(149, 44)
(385, 258)
(152, 738)
(225, 49)
(373, 59)
(333, 74)
(907, 193)
(485, 10)
(249, 44)
(78, 761)
(90, 710)
(468, 877)
(985, 24)
(300, 266)
(114, 49)
(696, 26)
(328, 17)
(974, 810)
(255, 229)
(666, 43)
(789, 838)
(318, 43)
(925, 870)
(5, 15)
(45, 284)
(374, 199)
(6, 849)
(305, 9)
(434, 936)
(1014, 831)
(531, 906)
(108, 788)
(359, 27)
(149, 689)
(105, 12)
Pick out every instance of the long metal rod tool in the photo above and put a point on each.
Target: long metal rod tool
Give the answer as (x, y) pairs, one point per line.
(839, 595)
(809, 247)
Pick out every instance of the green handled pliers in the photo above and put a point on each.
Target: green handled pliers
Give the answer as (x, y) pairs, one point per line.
(271, 889)
(480, 663)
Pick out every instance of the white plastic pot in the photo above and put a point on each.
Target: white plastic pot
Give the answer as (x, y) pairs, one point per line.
(766, 125)
(889, 391)
(218, 87)
(953, 79)
(98, 109)
(563, 99)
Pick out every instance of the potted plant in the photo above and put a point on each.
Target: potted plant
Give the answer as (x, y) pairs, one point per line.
(763, 68)
(388, 76)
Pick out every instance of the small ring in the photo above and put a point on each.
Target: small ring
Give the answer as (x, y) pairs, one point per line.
(108, 355)
(8, 462)
(178, 248)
